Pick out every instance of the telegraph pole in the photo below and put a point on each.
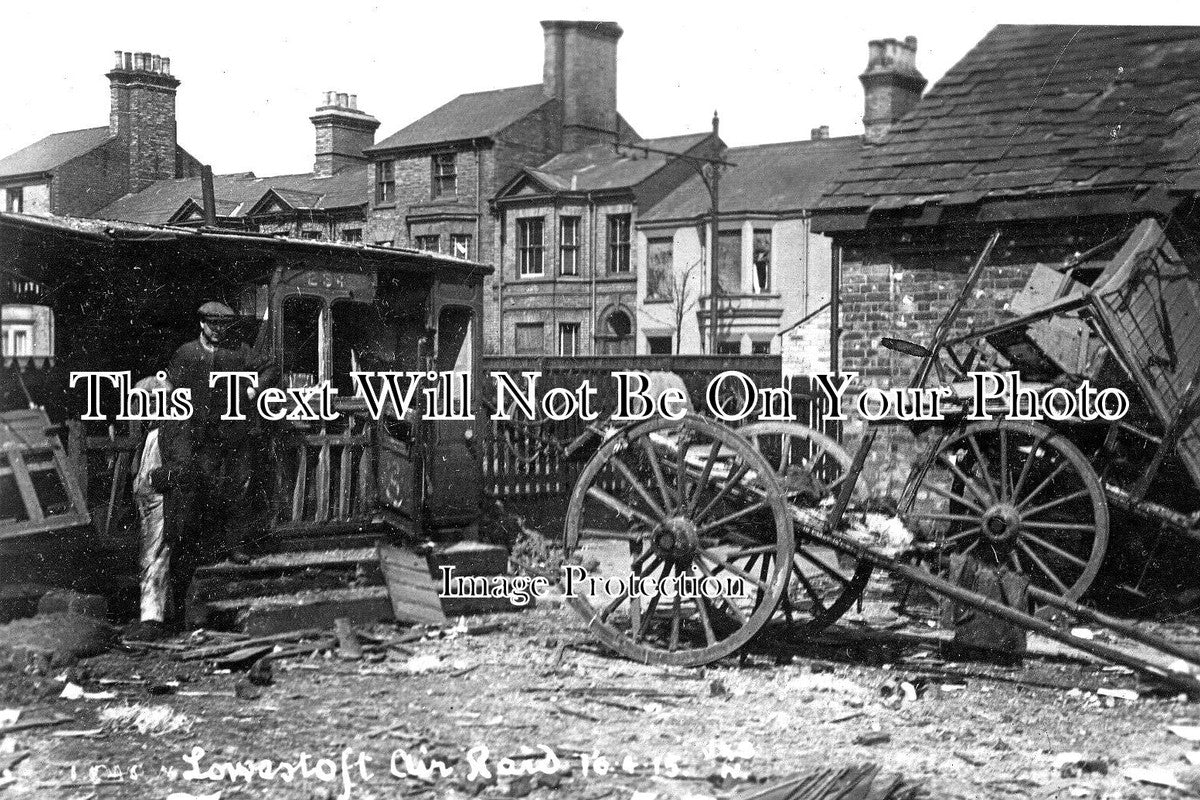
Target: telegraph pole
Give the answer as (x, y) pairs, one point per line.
(712, 180)
(714, 196)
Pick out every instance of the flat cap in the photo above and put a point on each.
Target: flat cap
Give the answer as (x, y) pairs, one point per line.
(214, 309)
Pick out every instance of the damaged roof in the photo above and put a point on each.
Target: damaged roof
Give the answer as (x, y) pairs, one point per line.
(468, 116)
(1037, 110)
(238, 193)
(601, 167)
(53, 151)
(768, 178)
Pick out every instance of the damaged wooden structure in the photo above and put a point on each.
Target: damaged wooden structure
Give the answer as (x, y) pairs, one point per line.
(124, 296)
(760, 512)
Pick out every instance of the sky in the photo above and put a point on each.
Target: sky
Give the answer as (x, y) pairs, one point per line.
(253, 72)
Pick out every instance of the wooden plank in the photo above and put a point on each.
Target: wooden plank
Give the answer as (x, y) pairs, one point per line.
(413, 592)
(343, 498)
(321, 484)
(33, 506)
(299, 489)
(77, 451)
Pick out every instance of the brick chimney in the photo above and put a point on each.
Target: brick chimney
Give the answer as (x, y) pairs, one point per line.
(343, 132)
(892, 84)
(821, 132)
(142, 115)
(581, 71)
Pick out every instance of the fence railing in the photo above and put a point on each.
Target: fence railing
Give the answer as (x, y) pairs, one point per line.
(517, 462)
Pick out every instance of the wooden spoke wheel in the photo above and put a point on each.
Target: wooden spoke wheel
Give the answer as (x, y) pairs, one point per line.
(1017, 494)
(684, 500)
(811, 467)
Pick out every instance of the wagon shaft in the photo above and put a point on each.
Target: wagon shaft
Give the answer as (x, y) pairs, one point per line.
(1182, 681)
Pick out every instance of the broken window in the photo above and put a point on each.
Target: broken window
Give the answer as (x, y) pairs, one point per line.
(380, 336)
(729, 262)
(301, 340)
(352, 235)
(430, 243)
(460, 245)
(14, 201)
(762, 261)
(659, 268)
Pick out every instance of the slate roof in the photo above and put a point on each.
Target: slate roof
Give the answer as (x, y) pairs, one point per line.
(599, 167)
(1034, 110)
(468, 116)
(237, 193)
(768, 178)
(53, 151)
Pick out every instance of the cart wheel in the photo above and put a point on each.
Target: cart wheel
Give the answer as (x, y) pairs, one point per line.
(681, 499)
(824, 584)
(1017, 494)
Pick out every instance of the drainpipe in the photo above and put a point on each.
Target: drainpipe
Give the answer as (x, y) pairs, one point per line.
(835, 308)
(592, 266)
(503, 221)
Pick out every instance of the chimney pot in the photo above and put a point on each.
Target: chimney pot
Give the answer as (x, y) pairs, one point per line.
(117, 53)
(343, 99)
(328, 98)
(156, 63)
(820, 132)
(353, 102)
(166, 65)
(892, 84)
(128, 60)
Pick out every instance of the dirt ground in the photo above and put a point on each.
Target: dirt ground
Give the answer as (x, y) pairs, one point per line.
(371, 729)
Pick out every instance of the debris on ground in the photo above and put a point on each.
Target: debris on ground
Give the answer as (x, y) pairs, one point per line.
(1157, 776)
(866, 781)
(155, 720)
(54, 639)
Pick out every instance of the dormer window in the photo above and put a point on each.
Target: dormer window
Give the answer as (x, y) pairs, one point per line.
(445, 175)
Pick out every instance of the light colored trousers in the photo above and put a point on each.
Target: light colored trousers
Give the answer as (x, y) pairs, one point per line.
(156, 552)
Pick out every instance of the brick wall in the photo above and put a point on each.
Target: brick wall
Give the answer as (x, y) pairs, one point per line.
(904, 294)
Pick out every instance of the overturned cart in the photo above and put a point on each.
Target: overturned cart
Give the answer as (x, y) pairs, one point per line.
(755, 517)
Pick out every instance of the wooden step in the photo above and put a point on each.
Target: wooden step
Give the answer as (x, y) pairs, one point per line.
(261, 616)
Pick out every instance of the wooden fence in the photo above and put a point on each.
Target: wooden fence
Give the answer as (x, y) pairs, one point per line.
(517, 460)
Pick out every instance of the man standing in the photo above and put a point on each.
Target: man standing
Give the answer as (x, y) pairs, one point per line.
(216, 499)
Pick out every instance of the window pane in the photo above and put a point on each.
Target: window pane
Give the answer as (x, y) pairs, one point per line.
(569, 246)
(529, 246)
(460, 245)
(618, 243)
(429, 244)
(729, 348)
(729, 262)
(659, 345)
(659, 258)
(762, 261)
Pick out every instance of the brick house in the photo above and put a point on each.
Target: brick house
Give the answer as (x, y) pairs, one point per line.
(773, 270)
(76, 173)
(431, 182)
(568, 262)
(1059, 136)
(328, 203)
